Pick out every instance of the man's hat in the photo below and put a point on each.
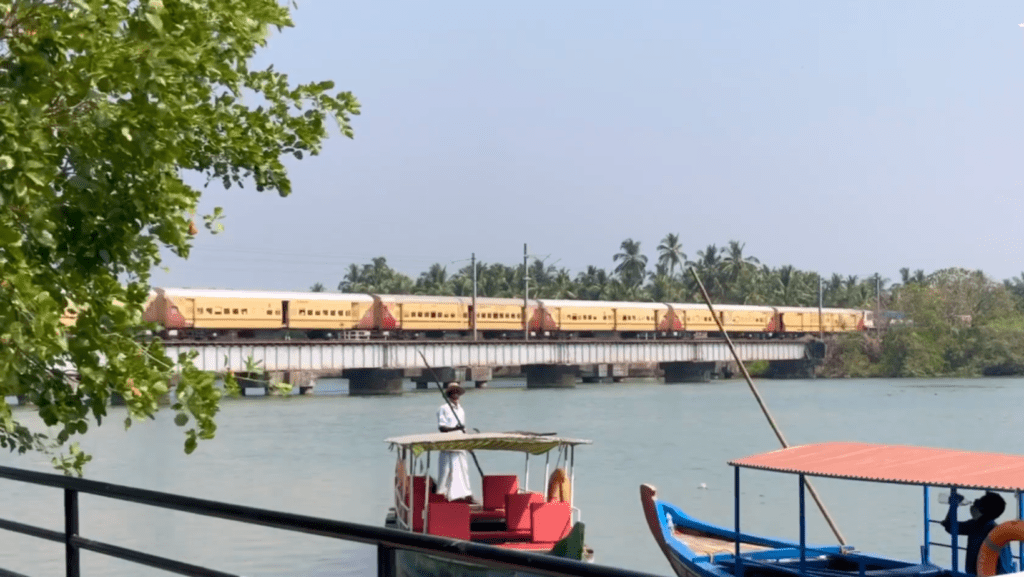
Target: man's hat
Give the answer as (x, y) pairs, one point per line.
(454, 387)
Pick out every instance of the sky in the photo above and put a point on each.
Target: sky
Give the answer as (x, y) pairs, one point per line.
(838, 137)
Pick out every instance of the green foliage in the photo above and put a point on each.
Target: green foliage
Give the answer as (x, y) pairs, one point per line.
(103, 106)
(960, 322)
(852, 355)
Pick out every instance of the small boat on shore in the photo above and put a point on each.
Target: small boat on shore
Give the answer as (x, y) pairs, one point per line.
(696, 548)
(507, 513)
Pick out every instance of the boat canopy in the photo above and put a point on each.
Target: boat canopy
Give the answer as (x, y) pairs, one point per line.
(519, 442)
(900, 464)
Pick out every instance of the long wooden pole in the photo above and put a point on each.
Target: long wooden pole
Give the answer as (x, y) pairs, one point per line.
(764, 407)
(437, 381)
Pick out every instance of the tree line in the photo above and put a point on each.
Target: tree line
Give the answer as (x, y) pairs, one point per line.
(950, 322)
(729, 274)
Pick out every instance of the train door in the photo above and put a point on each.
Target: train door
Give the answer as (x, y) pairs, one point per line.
(285, 316)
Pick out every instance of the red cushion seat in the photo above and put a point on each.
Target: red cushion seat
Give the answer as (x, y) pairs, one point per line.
(495, 487)
(517, 510)
(550, 521)
(448, 520)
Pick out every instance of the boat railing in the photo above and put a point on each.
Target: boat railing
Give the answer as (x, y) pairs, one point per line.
(1015, 557)
(387, 541)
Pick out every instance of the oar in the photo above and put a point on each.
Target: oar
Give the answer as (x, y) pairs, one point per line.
(764, 407)
(437, 381)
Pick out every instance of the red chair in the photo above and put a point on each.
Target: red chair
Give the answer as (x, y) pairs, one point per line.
(517, 510)
(495, 487)
(448, 520)
(549, 521)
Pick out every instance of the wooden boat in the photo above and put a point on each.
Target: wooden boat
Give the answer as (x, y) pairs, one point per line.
(696, 548)
(507, 514)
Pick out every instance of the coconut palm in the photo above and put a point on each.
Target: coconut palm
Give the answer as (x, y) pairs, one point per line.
(317, 288)
(633, 268)
(670, 253)
(351, 279)
(434, 281)
(592, 283)
(734, 264)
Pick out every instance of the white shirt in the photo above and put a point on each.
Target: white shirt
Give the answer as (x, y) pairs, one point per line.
(446, 418)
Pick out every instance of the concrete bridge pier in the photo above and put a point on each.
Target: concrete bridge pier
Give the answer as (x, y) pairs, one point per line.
(364, 382)
(304, 381)
(479, 375)
(692, 372)
(599, 373)
(427, 378)
(618, 372)
(551, 376)
(252, 384)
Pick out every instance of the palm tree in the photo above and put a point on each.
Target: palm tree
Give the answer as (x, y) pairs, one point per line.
(562, 286)
(317, 288)
(670, 253)
(633, 268)
(734, 262)
(434, 281)
(351, 279)
(592, 283)
(708, 267)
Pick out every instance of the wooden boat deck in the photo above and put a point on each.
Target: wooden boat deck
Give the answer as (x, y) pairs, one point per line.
(704, 544)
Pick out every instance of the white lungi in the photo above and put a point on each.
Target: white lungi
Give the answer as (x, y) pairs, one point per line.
(452, 466)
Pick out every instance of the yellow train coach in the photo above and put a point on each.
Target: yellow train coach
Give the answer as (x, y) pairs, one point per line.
(210, 312)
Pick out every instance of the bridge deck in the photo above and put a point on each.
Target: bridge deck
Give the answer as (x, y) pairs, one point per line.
(337, 355)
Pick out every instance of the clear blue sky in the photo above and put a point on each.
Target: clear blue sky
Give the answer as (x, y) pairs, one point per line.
(839, 137)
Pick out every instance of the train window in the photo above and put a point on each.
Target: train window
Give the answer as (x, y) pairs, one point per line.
(334, 313)
(269, 312)
(433, 314)
(245, 311)
(234, 311)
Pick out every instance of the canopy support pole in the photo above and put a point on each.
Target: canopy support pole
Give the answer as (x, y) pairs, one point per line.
(736, 515)
(803, 529)
(926, 548)
(954, 529)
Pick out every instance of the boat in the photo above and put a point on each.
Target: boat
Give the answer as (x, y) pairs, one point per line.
(513, 512)
(696, 548)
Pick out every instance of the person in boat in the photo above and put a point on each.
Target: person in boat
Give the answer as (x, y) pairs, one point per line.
(453, 466)
(984, 512)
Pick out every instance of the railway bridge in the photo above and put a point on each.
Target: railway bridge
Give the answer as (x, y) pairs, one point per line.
(379, 367)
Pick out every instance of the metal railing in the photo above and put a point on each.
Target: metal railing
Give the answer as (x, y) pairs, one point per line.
(388, 541)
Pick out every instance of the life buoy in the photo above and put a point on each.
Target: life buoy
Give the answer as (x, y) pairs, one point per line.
(558, 486)
(988, 554)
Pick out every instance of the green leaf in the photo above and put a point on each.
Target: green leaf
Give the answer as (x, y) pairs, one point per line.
(154, 19)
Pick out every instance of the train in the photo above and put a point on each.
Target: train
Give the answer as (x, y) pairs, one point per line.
(203, 314)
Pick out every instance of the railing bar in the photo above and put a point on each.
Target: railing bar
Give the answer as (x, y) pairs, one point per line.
(32, 530)
(330, 528)
(147, 559)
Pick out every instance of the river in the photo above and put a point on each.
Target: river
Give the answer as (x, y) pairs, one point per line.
(324, 455)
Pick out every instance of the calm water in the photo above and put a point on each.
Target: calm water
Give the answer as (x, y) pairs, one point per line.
(323, 455)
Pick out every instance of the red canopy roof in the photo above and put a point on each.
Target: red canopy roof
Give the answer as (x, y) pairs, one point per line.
(896, 464)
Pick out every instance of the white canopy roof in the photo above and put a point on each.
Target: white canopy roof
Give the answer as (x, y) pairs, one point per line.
(520, 442)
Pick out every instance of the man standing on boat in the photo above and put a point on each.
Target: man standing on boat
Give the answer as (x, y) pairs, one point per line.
(984, 512)
(453, 466)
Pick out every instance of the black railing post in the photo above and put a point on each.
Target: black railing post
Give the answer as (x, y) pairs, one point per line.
(71, 555)
(386, 560)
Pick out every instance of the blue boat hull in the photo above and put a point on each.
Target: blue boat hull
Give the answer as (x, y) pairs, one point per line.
(698, 549)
